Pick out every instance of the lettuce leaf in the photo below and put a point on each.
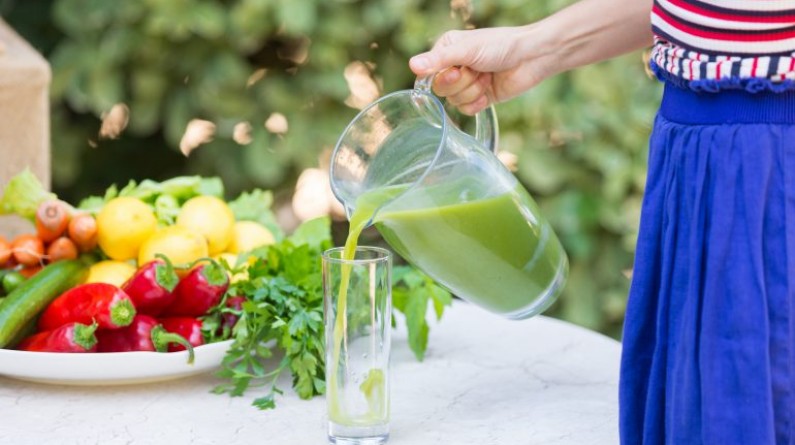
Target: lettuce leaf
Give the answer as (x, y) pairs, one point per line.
(165, 197)
(23, 194)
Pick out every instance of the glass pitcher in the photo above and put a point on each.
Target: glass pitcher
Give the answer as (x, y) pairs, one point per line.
(445, 203)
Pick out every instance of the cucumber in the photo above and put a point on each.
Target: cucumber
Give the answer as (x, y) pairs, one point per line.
(31, 297)
(27, 330)
(3, 273)
(11, 281)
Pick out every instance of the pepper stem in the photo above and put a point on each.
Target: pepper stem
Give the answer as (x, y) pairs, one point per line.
(122, 313)
(215, 274)
(162, 338)
(83, 335)
(165, 275)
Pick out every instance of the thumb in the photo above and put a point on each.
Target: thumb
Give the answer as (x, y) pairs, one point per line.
(439, 58)
(424, 64)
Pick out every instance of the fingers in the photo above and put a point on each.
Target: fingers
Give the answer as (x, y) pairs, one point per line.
(453, 81)
(464, 88)
(479, 94)
(475, 107)
(469, 88)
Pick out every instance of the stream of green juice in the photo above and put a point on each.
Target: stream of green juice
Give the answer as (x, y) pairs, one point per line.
(374, 386)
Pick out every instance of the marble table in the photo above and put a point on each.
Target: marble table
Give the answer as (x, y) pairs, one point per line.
(484, 381)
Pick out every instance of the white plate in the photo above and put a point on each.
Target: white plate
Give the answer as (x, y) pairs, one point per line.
(114, 368)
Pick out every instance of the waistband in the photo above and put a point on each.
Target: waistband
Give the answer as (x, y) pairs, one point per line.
(727, 107)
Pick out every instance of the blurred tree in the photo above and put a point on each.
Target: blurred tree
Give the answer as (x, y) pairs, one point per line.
(274, 82)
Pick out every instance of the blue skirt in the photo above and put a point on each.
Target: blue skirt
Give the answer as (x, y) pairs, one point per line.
(709, 335)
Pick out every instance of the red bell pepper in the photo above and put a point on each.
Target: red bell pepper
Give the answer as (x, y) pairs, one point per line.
(200, 290)
(105, 304)
(71, 337)
(145, 333)
(188, 327)
(151, 287)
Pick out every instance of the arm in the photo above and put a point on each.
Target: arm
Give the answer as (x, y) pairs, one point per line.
(501, 63)
(594, 30)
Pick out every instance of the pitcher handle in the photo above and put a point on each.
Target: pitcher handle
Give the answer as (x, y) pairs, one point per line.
(486, 129)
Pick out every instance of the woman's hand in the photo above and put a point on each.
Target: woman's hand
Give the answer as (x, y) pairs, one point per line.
(496, 64)
(484, 65)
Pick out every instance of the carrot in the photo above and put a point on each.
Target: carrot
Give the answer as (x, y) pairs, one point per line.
(28, 250)
(28, 272)
(52, 219)
(61, 249)
(83, 231)
(5, 251)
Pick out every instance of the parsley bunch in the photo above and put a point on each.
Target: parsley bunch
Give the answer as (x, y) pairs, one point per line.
(282, 316)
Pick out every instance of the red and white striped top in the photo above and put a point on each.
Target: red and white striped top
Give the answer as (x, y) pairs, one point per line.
(725, 39)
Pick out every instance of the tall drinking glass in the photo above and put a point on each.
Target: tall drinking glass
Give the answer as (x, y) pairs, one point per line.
(357, 293)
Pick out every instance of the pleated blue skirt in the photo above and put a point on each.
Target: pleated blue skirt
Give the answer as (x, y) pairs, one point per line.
(709, 334)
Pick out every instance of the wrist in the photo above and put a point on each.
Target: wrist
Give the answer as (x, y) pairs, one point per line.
(542, 41)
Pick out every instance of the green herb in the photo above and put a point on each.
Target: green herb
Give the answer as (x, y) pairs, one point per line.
(412, 290)
(283, 313)
(283, 316)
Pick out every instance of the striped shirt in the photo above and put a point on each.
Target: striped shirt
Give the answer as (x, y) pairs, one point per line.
(725, 42)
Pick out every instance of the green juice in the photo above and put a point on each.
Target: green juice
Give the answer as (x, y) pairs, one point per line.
(374, 386)
(486, 251)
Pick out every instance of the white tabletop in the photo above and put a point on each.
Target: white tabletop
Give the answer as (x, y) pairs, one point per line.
(484, 381)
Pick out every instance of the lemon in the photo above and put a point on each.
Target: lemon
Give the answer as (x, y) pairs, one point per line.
(248, 235)
(110, 272)
(123, 225)
(210, 217)
(182, 246)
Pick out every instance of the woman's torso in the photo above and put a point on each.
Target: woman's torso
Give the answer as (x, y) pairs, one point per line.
(725, 44)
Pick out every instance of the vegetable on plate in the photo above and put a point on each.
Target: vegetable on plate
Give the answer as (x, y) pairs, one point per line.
(82, 231)
(5, 250)
(151, 287)
(199, 291)
(105, 304)
(61, 248)
(31, 297)
(28, 250)
(52, 220)
(145, 333)
(187, 327)
(11, 280)
(71, 337)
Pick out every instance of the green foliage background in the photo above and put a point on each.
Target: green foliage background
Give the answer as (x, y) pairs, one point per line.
(581, 137)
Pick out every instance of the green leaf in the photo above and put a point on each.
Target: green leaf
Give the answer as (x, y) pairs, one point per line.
(265, 402)
(314, 232)
(441, 298)
(166, 209)
(418, 329)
